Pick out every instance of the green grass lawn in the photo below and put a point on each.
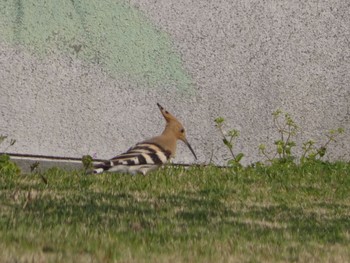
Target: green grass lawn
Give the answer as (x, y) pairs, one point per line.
(265, 214)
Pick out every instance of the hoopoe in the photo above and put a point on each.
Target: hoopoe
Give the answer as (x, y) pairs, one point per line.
(149, 154)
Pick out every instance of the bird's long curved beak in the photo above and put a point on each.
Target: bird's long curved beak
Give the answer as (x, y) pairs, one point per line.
(189, 146)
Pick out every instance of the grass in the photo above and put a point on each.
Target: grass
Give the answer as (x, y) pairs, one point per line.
(283, 213)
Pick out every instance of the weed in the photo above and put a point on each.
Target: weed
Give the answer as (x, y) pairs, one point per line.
(287, 130)
(7, 167)
(312, 153)
(229, 138)
(87, 163)
(3, 138)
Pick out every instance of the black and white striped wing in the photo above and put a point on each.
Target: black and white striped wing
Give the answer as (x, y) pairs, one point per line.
(140, 158)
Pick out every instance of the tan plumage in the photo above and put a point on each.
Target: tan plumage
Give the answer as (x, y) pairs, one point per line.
(149, 154)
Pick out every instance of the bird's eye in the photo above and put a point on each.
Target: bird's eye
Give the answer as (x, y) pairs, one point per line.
(182, 130)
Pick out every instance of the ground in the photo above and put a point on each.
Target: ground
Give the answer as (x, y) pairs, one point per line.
(281, 213)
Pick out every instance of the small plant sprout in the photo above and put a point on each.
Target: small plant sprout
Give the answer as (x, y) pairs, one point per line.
(229, 140)
(3, 138)
(34, 167)
(6, 165)
(87, 161)
(262, 151)
(312, 153)
(287, 129)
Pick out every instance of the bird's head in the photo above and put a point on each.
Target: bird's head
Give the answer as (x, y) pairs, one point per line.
(174, 128)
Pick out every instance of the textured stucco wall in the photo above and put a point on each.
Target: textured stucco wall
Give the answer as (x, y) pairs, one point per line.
(83, 77)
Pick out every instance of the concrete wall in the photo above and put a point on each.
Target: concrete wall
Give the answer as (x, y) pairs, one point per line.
(83, 77)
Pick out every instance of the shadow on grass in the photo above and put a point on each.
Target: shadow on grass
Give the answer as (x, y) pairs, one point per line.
(182, 216)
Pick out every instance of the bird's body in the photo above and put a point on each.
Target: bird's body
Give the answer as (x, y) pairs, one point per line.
(149, 154)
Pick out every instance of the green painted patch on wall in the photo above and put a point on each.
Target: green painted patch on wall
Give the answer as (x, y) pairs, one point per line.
(112, 34)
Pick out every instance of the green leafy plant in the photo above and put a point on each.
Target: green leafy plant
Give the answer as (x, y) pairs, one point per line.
(3, 138)
(6, 165)
(229, 138)
(313, 153)
(35, 169)
(287, 129)
(87, 161)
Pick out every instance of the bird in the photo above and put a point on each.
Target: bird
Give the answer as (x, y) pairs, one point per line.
(150, 154)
